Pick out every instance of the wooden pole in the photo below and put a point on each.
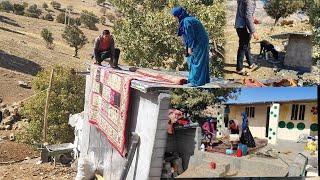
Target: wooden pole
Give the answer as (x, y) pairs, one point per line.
(45, 120)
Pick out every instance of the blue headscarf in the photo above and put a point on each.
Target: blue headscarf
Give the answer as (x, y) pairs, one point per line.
(244, 120)
(181, 13)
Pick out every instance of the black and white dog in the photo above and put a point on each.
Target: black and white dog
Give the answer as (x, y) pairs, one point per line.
(266, 46)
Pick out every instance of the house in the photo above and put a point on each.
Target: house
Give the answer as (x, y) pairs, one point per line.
(287, 119)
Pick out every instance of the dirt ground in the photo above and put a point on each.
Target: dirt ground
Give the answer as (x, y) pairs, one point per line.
(266, 70)
(19, 161)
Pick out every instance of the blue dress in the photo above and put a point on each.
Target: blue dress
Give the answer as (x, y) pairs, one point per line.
(196, 37)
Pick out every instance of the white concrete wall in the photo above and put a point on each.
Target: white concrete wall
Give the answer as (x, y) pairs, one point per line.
(148, 118)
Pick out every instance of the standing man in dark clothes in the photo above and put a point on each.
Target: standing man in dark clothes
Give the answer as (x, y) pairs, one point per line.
(104, 47)
(245, 29)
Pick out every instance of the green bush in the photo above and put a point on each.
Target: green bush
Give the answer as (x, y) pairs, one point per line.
(282, 8)
(47, 36)
(6, 6)
(75, 38)
(18, 9)
(33, 11)
(48, 17)
(55, 5)
(196, 100)
(45, 5)
(66, 97)
(89, 19)
(148, 32)
(100, 1)
(61, 18)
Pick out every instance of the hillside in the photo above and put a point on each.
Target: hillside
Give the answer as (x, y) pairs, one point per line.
(23, 52)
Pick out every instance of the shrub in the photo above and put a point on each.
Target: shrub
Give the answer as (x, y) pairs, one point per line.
(89, 19)
(55, 5)
(34, 11)
(100, 1)
(66, 97)
(6, 6)
(18, 9)
(48, 17)
(45, 5)
(61, 18)
(47, 36)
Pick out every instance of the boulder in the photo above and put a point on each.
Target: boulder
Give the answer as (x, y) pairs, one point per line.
(12, 137)
(24, 84)
(8, 127)
(5, 113)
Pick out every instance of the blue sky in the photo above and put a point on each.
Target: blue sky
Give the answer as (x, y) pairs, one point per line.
(275, 94)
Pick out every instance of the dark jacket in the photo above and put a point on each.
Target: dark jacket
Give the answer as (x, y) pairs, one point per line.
(244, 17)
(111, 47)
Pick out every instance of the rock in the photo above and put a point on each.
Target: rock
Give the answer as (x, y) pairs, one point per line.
(2, 105)
(38, 162)
(2, 128)
(27, 158)
(1, 99)
(9, 120)
(23, 84)
(12, 137)
(4, 137)
(6, 113)
(8, 127)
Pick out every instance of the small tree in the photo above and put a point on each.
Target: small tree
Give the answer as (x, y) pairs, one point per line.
(6, 6)
(100, 1)
(55, 5)
(48, 17)
(66, 97)
(282, 8)
(89, 19)
(103, 11)
(18, 9)
(45, 5)
(47, 36)
(34, 11)
(61, 18)
(75, 38)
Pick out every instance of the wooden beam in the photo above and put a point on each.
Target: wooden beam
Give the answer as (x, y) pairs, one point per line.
(45, 120)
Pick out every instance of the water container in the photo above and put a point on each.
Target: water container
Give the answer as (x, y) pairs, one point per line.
(244, 149)
(229, 151)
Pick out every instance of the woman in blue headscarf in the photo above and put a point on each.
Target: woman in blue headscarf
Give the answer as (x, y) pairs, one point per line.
(196, 41)
(246, 136)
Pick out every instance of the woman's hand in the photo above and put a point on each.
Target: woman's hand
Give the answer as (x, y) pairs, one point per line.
(189, 51)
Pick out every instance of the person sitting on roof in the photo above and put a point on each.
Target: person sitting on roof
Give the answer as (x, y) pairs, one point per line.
(196, 41)
(104, 47)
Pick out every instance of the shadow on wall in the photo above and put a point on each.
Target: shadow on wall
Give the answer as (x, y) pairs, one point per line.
(15, 63)
(9, 21)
